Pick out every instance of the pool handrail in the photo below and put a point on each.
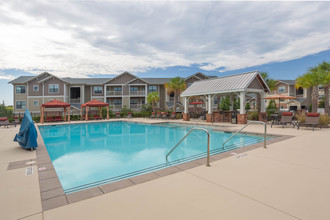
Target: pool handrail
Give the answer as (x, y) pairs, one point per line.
(250, 122)
(208, 145)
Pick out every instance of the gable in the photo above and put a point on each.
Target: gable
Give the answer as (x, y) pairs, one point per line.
(137, 81)
(255, 84)
(201, 75)
(122, 79)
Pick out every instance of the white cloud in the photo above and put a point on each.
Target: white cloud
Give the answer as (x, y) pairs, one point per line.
(6, 76)
(88, 38)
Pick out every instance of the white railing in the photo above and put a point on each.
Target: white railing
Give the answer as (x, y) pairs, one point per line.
(115, 93)
(75, 101)
(116, 107)
(135, 106)
(142, 92)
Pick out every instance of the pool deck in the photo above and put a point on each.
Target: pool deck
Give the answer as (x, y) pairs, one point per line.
(288, 180)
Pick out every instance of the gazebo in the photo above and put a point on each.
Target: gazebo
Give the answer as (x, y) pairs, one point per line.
(93, 103)
(55, 104)
(234, 85)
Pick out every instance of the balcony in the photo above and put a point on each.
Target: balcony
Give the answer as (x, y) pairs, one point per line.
(75, 101)
(116, 106)
(136, 106)
(139, 92)
(114, 93)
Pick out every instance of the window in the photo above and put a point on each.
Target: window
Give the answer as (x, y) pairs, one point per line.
(117, 102)
(152, 89)
(134, 88)
(321, 87)
(282, 100)
(53, 88)
(35, 88)
(97, 89)
(117, 89)
(281, 89)
(300, 91)
(20, 89)
(35, 103)
(20, 105)
(134, 101)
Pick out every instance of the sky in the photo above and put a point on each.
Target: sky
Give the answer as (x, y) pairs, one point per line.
(160, 39)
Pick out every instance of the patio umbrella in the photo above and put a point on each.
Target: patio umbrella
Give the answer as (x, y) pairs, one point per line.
(279, 97)
(195, 104)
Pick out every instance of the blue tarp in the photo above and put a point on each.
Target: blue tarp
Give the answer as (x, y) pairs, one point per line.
(27, 135)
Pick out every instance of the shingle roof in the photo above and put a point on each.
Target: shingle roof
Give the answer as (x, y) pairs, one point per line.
(156, 80)
(224, 84)
(87, 81)
(289, 82)
(21, 79)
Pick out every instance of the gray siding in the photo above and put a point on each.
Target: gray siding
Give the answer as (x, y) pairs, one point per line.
(122, 79)
(31, 84)
(54, 81)
(255, 84)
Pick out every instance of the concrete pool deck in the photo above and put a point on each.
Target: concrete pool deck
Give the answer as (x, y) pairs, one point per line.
(288, 180)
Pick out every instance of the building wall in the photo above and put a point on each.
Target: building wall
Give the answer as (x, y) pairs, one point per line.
(31, 84)
(88, 93)
(31, 106)
(54, 81)
(126, 101)
(122, 79)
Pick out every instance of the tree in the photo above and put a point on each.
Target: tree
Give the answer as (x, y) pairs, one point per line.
(153, 98)
(324, 80)
(271, 83)
(175, 85)
(308, 80)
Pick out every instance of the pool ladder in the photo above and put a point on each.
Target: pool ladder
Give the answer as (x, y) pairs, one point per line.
(250, 122)
(208, 145)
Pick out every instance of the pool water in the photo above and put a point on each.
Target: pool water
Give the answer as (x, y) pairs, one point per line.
(87, 155)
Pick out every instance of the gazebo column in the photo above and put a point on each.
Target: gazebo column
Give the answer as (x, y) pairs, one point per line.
(86, 115)
(69, 111)
(262, 113)
(107, 112)
(81, 113)
(64, 113)
(231, 104)
(100, 108)
(209, 115)
(242, 117)
(42, 115)
(186, 116)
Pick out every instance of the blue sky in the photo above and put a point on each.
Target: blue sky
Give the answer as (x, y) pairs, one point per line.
(160, 39)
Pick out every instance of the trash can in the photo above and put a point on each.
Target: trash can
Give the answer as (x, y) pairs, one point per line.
(234, 117)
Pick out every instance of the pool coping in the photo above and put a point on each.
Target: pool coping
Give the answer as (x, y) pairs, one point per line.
(53, 196)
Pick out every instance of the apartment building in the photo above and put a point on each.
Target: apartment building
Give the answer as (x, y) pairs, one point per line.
(123, 90)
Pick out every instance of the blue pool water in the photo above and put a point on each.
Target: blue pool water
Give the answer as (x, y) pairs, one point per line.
(87, 155)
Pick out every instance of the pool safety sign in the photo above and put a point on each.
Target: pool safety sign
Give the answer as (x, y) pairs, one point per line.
(28, 171)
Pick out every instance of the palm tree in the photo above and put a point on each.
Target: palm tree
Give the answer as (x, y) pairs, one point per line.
(271, 83)
(308, 80)
(175, 85)
(324, 77)
(153, 98)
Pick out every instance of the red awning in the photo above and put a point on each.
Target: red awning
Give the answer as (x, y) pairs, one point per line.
(196, 103)
(55, 104)
(94, 103)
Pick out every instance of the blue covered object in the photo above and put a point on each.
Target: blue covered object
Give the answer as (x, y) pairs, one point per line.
(27, 135)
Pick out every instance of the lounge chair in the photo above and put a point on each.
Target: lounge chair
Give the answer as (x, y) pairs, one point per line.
(4, 122)
(16, 121)
(96, 117)
(163, 115)
(153, 115)
(286, 118)
(173, 115)
(49, 118)
(58, 118)
(118, 115)
(312, 120)
(129, 115)
(159, 115)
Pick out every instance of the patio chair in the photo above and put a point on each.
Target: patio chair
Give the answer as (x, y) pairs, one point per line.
(49, 118)
(58, 118)
(286, 118)
(90, 117)
(16, 121)
(96, 117)
(312, 120)
(129, 115)
(4, 122)
(173, 115)
(153, 115)
(159, 115)
(118, 115)
(163, 115)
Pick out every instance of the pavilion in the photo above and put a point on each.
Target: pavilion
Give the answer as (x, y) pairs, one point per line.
(55, 104)
(93, 103)
(234, 85)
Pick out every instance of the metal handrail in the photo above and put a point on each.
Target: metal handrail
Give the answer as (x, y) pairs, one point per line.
(208, 145)
(251, 122)
(200, 118)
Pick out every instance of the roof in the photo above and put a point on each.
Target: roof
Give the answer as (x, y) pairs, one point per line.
(289, 82)
(156, 80)
(237, 82)
(94, 103)
(55, 104)
(279, 96)
(21, 79)
(87, 81)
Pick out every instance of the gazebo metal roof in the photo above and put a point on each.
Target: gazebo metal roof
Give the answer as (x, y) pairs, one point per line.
(55, 104)
(227, 84)
(94, 103)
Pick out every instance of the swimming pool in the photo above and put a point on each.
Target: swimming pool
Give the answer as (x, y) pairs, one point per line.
(92, 154)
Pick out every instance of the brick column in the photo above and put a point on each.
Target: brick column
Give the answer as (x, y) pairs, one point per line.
(186, 116)
(216, 116)
(209, 117)
(241, 118)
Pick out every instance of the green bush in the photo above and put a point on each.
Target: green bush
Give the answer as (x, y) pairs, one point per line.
(124, 111)
(254, 116)
(271, 108)
(36, 119)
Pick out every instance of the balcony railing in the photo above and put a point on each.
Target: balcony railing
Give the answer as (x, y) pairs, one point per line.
(75, 101)
(115, 93)
(141, 92)
(135, 106)
(116, 106)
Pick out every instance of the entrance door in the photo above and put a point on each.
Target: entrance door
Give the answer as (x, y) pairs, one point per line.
(75, 95)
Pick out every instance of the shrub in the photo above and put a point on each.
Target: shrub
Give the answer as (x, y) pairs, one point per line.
(178, 116)
(324, 120)
(124, 111)
(301, 117)
(254, 116)
(36, 119)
